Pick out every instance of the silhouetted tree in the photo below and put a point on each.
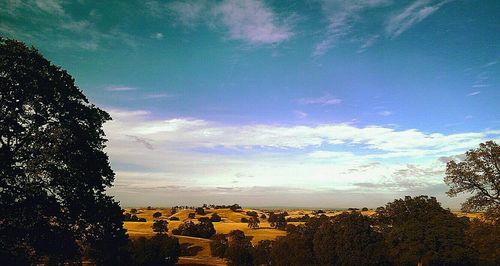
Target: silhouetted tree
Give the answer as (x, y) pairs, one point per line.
(204, 229)
(200, 211)
(253, 222)
(191, 215)
(277, 221)
(158, 251)
(419, 230)
(133, 211)
(484, 238)
(218, 245)
(349, 239)
(262, 253)
(160, 227)
(157, 215)
(215, 218)
(479, 175)
(239, 250)
(53, 170)
(244, 220)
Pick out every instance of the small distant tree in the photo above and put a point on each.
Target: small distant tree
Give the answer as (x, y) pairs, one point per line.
(215, 218)
(191, 215)
(263, 216)
(277, 221)
(157, 215)
(133, 211)
(364, 209)
(253, 222)
(173, 210)
(478, 175)
(252, 213)
(160, 227)
(200, 211)
(235, 207)
(174, 218)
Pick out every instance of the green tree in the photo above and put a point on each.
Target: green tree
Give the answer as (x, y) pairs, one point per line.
(479, 175)
(419, 230)
(218, 245)
(253, 222)
(53, 170)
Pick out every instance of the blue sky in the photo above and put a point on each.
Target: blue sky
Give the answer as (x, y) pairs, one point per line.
(291, 103)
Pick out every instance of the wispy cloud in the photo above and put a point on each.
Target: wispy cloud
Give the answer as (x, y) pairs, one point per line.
(323, 100)
(300, 114)
(341, 16)
(474, 93)
(412, 15)
(119, 88)
(385, 113)
(251, 21)
(158, 36)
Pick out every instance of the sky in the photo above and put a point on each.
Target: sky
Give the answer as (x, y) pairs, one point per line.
(309, 103)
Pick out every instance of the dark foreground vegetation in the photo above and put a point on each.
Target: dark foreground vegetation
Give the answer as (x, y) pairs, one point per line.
(54, 209)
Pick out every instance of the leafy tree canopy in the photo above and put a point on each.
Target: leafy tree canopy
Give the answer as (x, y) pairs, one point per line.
(53, 170)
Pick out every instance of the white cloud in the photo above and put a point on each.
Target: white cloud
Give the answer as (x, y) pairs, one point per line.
(196, 153)
(411, 15)
(158, 36)
(251, 21)
(323, 100)
(120, 88)
(474, 93)
(385, 113)
(300, 114)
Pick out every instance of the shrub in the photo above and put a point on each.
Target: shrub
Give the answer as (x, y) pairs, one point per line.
(200, 211)
(244, 220)
(157, 215)
(215, 218)
(174, 218)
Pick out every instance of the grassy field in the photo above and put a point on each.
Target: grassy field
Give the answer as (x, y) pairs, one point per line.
(196, 251)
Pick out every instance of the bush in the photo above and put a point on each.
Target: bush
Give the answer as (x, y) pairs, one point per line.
(157, 215)
(159, 250)
(200, 211)
(252, 214)
(191, 215)
(215, 218)
(364, 209)
(174, 218)
(244, 220)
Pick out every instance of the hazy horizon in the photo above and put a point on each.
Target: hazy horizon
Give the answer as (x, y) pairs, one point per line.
(325, 104)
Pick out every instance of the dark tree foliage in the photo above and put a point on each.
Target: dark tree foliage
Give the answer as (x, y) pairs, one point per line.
(244, 220)
(215, 218)
(294, 249)
(277, 221)
(262, 253)
(160, 227)
(200, 211)
(158, 251)
(253, 222)
(204, 229)
(191, 215)
(53, 171)
(239, 250)
(419, 230)
(174, 218)
(218, 245)
(479, 175)
(349, 239)
(484, 238)
(263, 216)
(252, 213)
(235, 207)
(157, 215)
